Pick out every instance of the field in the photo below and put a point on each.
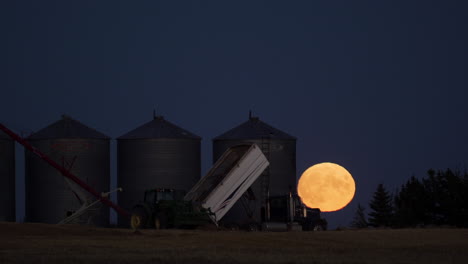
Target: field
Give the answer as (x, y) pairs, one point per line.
(40, 243)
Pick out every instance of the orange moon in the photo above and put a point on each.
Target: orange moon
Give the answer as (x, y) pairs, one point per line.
(327, 186)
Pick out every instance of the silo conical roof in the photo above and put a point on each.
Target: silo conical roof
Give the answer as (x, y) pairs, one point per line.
(67, 128)
(252, 129)
(159, 128)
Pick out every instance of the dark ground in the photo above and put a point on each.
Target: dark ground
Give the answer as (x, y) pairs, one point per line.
(41, 243)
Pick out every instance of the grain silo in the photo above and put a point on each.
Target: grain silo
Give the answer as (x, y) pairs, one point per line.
(85, 152)
(157, 154)
(278, 179)
(7, 178)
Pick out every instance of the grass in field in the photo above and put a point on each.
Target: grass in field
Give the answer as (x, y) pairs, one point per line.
(38, 243)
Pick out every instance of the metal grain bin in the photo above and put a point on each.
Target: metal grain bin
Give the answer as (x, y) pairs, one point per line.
(157, 154)
(7, 178)
(278, 179)
(50, 197)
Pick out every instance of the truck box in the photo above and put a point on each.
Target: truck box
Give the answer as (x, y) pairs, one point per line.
(228, 179)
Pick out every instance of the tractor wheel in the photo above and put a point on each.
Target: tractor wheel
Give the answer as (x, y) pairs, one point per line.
(135, 222)
(157, 223)
(160, 221)
(138, 218)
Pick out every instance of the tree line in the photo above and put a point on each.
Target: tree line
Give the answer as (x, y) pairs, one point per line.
(439, 199)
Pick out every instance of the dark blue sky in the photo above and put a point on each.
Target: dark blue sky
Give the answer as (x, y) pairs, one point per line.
(379, 87)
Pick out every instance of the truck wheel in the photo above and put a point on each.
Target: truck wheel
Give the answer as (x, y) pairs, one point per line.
(253, 227)
(318, 228)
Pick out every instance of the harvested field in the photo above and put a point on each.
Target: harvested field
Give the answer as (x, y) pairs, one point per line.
(40, 243)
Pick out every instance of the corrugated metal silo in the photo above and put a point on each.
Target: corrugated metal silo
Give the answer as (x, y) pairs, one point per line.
(157, 154)
(7, 178)
(50, 197)
(278, 179)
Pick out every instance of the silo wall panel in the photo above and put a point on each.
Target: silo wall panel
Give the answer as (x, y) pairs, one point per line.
(49, 197)
(155, 163)
(7, 180)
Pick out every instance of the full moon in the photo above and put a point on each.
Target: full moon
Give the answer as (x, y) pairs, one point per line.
(326, 186)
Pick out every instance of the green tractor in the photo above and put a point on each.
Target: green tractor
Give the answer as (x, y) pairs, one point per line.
(165, 208)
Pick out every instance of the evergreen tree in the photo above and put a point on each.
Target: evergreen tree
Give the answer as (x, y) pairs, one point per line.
(359, 220)
(464, 209)
(446, 193)
(450, 198)
(441, 198)
(411, 204)
(381, 206)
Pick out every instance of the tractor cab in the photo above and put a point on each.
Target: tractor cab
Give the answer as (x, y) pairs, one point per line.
(153, 196)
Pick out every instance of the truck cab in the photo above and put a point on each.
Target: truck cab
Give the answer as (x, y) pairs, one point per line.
(287, 210)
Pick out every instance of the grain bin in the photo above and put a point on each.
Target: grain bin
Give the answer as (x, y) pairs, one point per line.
(50, 197)
(7, 178)
(157, 154)
(278, 179)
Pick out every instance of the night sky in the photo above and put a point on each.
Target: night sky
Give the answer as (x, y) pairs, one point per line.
(379, 87)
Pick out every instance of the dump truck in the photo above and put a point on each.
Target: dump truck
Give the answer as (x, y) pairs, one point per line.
(210, 199)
